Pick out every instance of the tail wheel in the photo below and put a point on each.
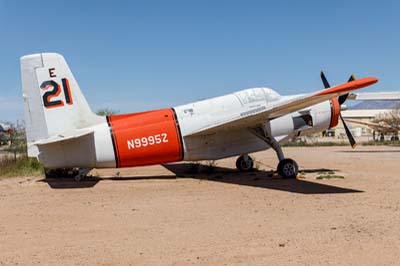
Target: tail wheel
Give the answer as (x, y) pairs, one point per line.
(288, 168)
(244, 163)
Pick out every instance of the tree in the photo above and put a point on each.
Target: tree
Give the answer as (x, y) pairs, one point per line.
(390, 121)
(106, 111)
(17, 139)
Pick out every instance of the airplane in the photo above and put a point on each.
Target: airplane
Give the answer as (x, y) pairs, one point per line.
(5, 127)
(5, 131)
(63, 132)
(382, 128)
(375, 96)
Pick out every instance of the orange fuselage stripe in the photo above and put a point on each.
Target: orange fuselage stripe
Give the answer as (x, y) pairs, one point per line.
(146, 138)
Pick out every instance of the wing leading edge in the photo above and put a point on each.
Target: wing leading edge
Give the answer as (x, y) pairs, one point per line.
(283, 107)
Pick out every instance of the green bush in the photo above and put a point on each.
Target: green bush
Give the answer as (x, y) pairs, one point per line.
(20, 166)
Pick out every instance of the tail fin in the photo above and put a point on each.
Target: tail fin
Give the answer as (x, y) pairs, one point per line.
(53, 101)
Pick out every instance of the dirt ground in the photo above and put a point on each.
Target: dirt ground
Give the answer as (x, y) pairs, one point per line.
(170, 216)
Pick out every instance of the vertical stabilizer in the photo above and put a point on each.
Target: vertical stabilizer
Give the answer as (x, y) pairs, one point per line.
(54, 104)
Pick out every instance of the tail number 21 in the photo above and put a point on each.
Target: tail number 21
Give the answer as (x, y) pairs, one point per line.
(53, 89)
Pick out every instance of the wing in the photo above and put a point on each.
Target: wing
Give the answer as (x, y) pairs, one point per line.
(375, 96)
(280, 108)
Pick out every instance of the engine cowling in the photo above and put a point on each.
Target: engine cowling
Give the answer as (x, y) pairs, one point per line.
(335, 112)
(318, 118)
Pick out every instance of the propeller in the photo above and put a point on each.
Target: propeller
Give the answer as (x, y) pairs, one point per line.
(341, 100)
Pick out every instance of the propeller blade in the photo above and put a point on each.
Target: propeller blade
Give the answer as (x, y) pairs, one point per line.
(324, 80)
(348, 133)
(343, 98)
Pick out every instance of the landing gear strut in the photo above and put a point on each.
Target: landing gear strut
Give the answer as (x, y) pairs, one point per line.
(287, 168)
(244, 163)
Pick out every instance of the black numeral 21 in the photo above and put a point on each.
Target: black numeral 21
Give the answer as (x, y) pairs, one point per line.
(56, 90)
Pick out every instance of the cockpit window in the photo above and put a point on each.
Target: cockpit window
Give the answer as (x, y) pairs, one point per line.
(251, 96)
(256, 95)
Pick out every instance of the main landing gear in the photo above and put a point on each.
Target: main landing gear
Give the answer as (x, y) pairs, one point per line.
(287, 168)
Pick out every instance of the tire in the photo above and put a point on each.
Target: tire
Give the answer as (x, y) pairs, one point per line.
(79, 177)
(244, 165)
(288, 168)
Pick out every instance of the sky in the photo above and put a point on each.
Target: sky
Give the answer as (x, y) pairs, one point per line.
(140, 55)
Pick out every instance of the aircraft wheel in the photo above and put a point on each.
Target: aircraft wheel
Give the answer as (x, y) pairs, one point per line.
(244, 163)
(48, 173)
(79, 178)
(288, 168)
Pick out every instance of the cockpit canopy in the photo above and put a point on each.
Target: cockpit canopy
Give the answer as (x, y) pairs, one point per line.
(251, 95)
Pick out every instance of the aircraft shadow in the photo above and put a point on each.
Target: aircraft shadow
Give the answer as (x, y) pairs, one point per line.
(69, 182)
(91, 181)
(260, 179)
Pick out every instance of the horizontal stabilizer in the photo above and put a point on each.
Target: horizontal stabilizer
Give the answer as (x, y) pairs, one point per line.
(60, 138)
